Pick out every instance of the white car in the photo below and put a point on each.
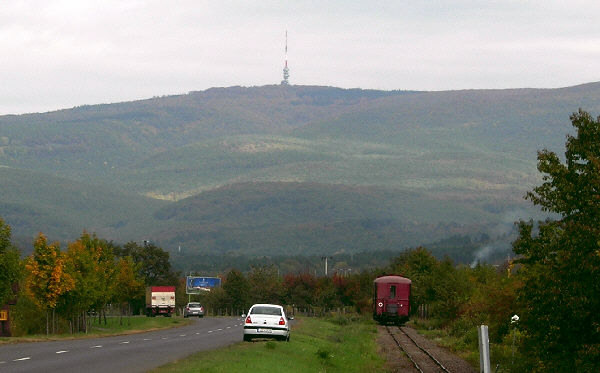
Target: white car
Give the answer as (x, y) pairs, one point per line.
(266, 321)
(193, 309)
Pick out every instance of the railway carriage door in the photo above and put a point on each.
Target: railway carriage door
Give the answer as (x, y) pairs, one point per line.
(392, 306)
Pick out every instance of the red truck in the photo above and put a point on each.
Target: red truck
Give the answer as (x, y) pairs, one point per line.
(160, 300)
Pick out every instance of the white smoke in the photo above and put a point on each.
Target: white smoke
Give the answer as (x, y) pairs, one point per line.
(502, 236)
(481, 254)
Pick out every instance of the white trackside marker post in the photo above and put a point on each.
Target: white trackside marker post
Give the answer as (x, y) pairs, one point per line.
(484, 349)
(514, 320)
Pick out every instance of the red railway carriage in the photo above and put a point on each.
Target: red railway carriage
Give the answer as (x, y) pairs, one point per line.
(391, 299)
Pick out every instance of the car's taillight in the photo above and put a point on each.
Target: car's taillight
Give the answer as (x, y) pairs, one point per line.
(281, 321)
(187, 308)
(248, 321)
(201, 309)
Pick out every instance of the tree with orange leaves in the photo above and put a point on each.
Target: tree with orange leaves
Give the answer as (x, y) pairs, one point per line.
(47, 279)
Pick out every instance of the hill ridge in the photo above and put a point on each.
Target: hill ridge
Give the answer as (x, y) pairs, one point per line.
(472, 152)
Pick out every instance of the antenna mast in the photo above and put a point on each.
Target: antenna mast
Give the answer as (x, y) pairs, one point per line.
(286, 70)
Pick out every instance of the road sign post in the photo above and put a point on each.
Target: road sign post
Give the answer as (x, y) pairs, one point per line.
(4, 323)
(198, 285)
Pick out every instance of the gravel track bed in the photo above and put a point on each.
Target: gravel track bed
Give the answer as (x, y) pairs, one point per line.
(397, 361)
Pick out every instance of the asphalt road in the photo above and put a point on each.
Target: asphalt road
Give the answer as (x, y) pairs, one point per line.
(129, 353)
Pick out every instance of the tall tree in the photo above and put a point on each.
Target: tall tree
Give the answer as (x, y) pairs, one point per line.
(300, 289)
(128, 285)
(10, 264)
(91, 264)
(152, 262)
(420, 266)
(326, 295)
(236, 287)
(265, 285)
(47, 279)
(561, 258)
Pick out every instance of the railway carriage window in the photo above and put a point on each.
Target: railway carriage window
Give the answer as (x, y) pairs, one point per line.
(392, 291)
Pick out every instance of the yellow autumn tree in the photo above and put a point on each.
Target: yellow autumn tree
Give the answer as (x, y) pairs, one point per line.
(129, 285)
(46, 278)
(91, 262)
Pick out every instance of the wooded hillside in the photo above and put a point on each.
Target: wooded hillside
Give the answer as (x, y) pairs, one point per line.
(328, 168)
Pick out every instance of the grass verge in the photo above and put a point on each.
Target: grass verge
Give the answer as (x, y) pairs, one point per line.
(113, 326)
(316, 345)
(463, 341)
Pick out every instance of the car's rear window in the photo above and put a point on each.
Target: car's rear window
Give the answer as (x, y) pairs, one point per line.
(195, 305)
(266, 311)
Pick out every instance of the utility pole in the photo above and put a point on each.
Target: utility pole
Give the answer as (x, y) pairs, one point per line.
(186, 286)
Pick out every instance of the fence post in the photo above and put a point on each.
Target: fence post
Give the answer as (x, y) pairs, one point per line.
(484, 349)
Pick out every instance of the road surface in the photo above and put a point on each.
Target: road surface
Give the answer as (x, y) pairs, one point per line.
(129, 353)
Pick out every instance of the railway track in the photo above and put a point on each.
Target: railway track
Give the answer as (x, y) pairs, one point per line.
(421, 358)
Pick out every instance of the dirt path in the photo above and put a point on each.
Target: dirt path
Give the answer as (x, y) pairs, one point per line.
(397, 361)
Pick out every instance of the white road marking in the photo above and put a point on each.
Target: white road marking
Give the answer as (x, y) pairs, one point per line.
(182, 335)
(124, 342)
(23, 358)
(197, 333)
(164, 338)
(147, 339)
(229, 327)
(99, 346)
(61, 352)
(210, 331)
(219, 329)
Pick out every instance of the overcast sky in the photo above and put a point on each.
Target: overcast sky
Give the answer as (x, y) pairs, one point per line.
(60, 54)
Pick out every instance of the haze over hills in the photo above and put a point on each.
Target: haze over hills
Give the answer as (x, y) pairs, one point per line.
(283, 169)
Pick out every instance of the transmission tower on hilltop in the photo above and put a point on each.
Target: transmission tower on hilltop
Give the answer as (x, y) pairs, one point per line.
(286, 70)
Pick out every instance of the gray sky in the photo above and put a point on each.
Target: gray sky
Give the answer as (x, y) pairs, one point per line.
(60, 54)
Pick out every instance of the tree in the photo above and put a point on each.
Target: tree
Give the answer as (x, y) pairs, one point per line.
(561, 258)
(128, 285)
(152, 262)
(90, 262)
(326, 294)
(47, 279)
(452, 290)
(356, 290)
(265, 285)
(420, 266)
(237, 288)
(10, 265)
(495, 311)
(300, 289)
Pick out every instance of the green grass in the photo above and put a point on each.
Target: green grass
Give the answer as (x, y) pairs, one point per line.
(131, 325)
(316, 345)
(461, 345)
(465, 344)
(135, 324)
